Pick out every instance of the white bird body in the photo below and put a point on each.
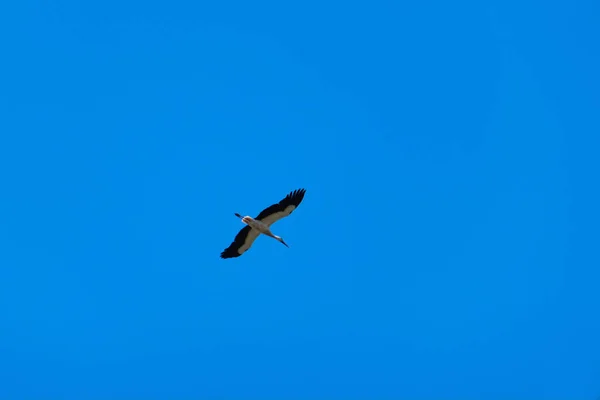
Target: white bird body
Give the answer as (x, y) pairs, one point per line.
(261, 227)
(262, 224)
(256, 224)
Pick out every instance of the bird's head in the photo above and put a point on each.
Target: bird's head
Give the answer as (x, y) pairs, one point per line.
(281, 240)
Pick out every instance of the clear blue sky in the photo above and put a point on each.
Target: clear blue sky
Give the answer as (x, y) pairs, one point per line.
(446, 247)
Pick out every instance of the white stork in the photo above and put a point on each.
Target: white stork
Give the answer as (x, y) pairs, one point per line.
(255, 226)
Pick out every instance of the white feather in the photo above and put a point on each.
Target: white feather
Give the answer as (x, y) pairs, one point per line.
(250, 238)
(271, 219)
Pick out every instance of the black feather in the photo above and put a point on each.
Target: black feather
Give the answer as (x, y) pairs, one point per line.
(292, 199)
(232, 250)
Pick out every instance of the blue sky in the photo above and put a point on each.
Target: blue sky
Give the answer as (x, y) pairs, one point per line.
(446, 247)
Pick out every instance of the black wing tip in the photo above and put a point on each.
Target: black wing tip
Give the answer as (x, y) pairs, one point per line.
(296, 196)
(232, 250)
(229, 254)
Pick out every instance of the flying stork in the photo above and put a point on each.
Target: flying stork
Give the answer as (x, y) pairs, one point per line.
(261, 224)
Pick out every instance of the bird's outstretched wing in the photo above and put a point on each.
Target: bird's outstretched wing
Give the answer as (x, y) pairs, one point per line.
(282, 209)
(242, 242)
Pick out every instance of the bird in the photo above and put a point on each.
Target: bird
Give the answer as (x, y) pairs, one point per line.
(262, 223)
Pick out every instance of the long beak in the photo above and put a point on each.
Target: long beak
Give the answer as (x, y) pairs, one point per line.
(238, 215)
(284, 243)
